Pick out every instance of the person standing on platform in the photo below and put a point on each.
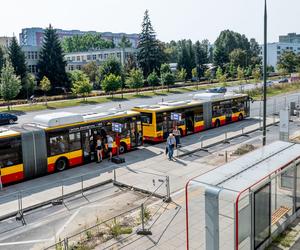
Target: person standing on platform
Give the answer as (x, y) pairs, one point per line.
(110, 141)
(171, 144)
(176, 133)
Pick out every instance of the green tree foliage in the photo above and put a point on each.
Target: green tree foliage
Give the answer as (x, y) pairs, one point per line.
(226, 43)
(238, 58)
(153, 79)
(165, 68)
(255, 58)
(17, 58)
(171, 52)
(240, 74)
(80, 83)
(85, 42)
(221, 77)
(1, 58)
(130, 63)
(201, 56)
(110, 66)
(151, 52)
(111, 83)
(207, 74)
(91, 69)
(256, 74)
(182, 74)
(10, 85)
(125, 43)
(45, 86)
(29, 85)
(52, 63)
(186, 56)
(135, 80)
(288, 61)
(167, 79)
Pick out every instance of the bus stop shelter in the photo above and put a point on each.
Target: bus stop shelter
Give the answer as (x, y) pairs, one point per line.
(244, 203)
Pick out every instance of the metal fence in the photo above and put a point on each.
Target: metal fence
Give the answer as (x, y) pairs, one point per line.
(120, 228)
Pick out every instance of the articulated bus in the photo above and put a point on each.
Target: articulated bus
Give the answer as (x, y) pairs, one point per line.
(54, 142)
(206, 110)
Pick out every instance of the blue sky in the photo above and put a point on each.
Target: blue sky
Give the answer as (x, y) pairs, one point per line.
(176, 19)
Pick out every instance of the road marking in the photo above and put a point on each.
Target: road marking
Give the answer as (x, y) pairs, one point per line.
(67, 222)
(25, 242)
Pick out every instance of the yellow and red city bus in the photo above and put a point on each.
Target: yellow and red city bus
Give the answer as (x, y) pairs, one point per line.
(206, 110)
(54, 142)
(11, 163)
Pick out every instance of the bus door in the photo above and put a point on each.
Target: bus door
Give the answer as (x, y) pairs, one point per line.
(140, 133)
(228, 114)
(133, 134)
(189, 122)
(88, 146)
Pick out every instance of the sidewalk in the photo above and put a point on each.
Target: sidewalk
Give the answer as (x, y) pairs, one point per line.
(144, 168)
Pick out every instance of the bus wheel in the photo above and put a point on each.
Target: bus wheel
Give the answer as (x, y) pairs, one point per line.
(241, 117)
(217, 123)
(61, 164)
(122, 148)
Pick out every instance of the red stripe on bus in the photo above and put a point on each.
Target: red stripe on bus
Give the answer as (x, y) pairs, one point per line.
(198, 128)
(51, 168)
(75, 161)
(12, 177)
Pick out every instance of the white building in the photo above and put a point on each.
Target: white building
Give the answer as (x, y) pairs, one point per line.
(274, 51)
(76, 60)
(5, 41)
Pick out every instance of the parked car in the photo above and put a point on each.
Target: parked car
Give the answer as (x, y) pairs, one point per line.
(195, 79)
(283, 80)
(6, 118)
(217, 90)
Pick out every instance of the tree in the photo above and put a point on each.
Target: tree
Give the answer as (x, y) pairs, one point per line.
(81, 84)
(110, 66)
(165, 68)
(182, 74)
(91, 70)
(153, 80)
(207, 74)
(111, 83)
(17, 58)
(10, 85)
(29, 85)
(238, 58)
(220, 76)
(125, 43)
(288, 61)
(256, 74)
(86, 42)
(167, 79)
(135, 80)
(240, 74)
(226, 42)
(1, 58)
(45, 86)
(130, 63)
(52, 63)
(186, 56)
(149, 52)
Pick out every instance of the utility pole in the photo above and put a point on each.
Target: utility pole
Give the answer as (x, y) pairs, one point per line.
(265, 78)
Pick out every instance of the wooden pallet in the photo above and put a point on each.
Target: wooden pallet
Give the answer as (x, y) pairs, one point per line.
(279, 213)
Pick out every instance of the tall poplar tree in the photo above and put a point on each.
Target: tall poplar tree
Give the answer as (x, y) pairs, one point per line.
(1, 59)
(52, 63)
(17, 59)
(150, 53)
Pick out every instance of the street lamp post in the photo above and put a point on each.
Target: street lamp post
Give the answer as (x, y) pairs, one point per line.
(265, 77)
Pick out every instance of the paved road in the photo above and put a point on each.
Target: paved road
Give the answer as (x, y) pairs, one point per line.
(128, 104)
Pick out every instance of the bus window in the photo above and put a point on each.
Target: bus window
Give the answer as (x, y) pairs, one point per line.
(74, 141)
(198, 115)
(146, 118)
(58, 143)
(10, 152)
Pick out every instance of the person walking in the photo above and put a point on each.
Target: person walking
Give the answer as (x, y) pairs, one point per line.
(176, 133)
(110, 141)
(171, 144)
(99, 149)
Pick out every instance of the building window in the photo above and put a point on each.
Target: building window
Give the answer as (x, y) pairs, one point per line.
(119, 54)
(278, 47)
(78, 58)
(105, 56)
(100, 56)
(94, 57)
(71, 67)
(68, 58)
(78, 67)
(88, 57)
(278, 52)
(35, 55)
(28, 55)
(73, 58)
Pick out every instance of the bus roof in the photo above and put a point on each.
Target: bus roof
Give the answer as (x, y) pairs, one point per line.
(197, 99)
(60, 119)
(4, 133)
